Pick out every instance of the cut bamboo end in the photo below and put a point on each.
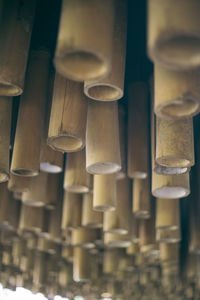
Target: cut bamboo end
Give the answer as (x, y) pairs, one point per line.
(81, 265)
(146, 233)
(19, 184)
(83, 237)
(169, 171)
(88, 57)
(105, 192)
(133, 249)
(171, 138)
(90, 218)
(26, 152)
(72, 211)
(102, 91)
(170, 186)
(68, 116)
(138, 155)
(77, 180)
(39, 269)
(176, 47)
(141, 198)
(46, 245)
(169, 252)
(31, 219)
(51, 161)
(14, 52)
(114, 240)
(54, 225)
(123, 141)
(102, 142)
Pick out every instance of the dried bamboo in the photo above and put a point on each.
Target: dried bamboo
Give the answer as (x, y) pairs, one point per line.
(18, 250)
(138, 124)
(53, 189)
(68, 116)
(46, 245)
(147, 235)
(84, 45)
(133, 249)
(110, 261)
(176, 46)
(26, 152)
(19, 184)
(141, 198)
(54, 226)
(16, 27)
(174, 143)
(65, 275)
(31, 219)
(102, 142)
(167, 220)
(90, 218)
(118, 221)
(67, 253)
(169, 256)
(111, 87)
(105, 192)
(39, 270)
(81, 265)
(77, 180)
(115, 240)
(123, 141)
(84, 237)
(26, 261)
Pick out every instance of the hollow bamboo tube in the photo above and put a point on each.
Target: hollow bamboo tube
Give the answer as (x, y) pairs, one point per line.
(123, 141)
(39, 269)
(133, 249)
(111, 87)
(18, 250)
(26, 261)
(84, 48)
(115, 240)
(65, 275)
(16, 27)
(68, 116)
(167, 220)
(110, 260)
(141, 198)
(174, 143)
(67, 253)
(31, 219)
(177, 46)
(26, 152)
(138, 124)
(76, 179)
(169, 257)
(90, 218)
(118, 221)
(84, 237)
(105, 192)
(46, 245)
(53, 189)
(147, 234)
(72, 210)
(54, 227)
(81, 265)
(19, 184)
(102, 142)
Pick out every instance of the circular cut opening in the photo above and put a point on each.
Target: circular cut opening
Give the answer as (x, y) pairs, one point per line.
(81, 65)
(77, 189)
(181, 50)
(66, 143)
(179, 108)
(103, 168)
(25, 172)
(103, 92)
(50, 168)
(119, 244)
(175, 161)
(104, 208)
(118, 231)
(142, 214)
(171, 192)
(169, 171)
(7, 89)
(34, 203)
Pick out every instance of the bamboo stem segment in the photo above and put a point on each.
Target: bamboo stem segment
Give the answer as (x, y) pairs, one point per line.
(19, 184)
(90, 218)
(141, 198)
(31, 219)
(81, 265)
(84, 45)
(26, 153)
(115, 240)
(83, 237)
(112, 86)
(102, 142)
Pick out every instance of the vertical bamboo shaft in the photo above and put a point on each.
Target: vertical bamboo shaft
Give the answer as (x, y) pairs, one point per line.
(19, 184)
(65, 275)
(141, 198)
(53, 189)
(81, 265)
(71, 213)
(83, 237)
(123, 141)
(77, 180)
(39, 270)
(18, 250)
(26, 152)
(133, 249)
(84, 45)
(138, 124)
(90, 218)
(118, 221)
(169, 256)
(31, 219)
(46, 245)
(102, 142)
(67, 253)
(176, 46)
(147, 234)
(68, 116)
(167, 220)
(115, 240)
(105, 192)
(16, 27)
(110, 260)
(54, 228)
(111, 87)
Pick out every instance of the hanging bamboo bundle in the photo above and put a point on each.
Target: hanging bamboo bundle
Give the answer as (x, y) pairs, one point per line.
(105, 192)
(31, 219)
(90, 218)
(68, 116)
(167, 220)
(16, 27)
(138, 124)
(116, 240)
(111, 87)
(72, 210)
(26, 152)
(174, 143)
(84, 45)
(77, 180)
(176, 46)
(81, 265)
(102, 142)
(19, 184)
(118, 221)
(141, 198)
(84, 237)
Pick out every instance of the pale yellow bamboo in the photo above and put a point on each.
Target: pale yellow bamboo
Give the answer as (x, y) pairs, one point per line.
(83, 237)
(81, 265)
(90, 218)
(19, 184)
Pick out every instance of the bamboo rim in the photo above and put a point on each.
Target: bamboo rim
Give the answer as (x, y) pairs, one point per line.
(113, 240)
(103, 91)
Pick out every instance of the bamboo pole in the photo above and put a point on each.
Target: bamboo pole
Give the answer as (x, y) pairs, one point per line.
(54, 226)
(118, 221)
(147, 235)
(46, 245)
(19, 184)
(39, 269)
(84, 49)
(26, 261)
(110, 260)
(65, 275)
(77, 180)
(90, 218)
(16, 28)
(105, 192)
(68, 116)
(83, 237)
(18, 250)
(123, 141)
(176, 46)
(169, 256)
(53, 189)
(81, 265)
(141, 198)
(102, 142)
(26, 152)
(115, 240)
(133, 249)
(72, 210)
(31, 219)
(167, 220)
(175, 143)
(111, 87)
(67, 253)
(138, 124)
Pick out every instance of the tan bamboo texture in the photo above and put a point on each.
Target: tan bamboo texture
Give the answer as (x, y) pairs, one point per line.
(90, 218)
(81, 265)
(19, 184)
(141, 198)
